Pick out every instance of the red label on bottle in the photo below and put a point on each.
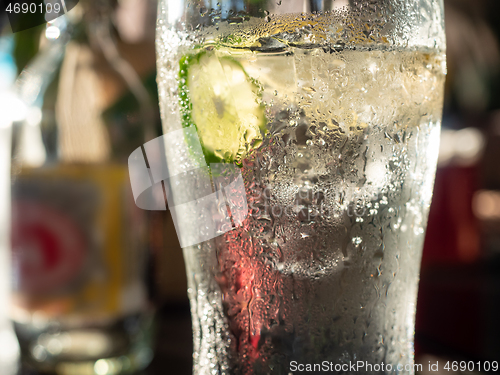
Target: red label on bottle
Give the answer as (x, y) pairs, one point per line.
(48, 248)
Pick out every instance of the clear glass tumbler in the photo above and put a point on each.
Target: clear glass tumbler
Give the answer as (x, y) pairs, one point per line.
(328, 112)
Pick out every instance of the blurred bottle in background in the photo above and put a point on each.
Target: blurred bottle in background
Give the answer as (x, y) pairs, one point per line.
(8, 102)
(80, 247)
(459, 293)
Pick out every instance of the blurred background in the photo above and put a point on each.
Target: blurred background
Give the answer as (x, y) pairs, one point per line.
(459, 297)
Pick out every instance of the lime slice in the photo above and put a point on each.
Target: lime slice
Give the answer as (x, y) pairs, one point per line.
(219, 98)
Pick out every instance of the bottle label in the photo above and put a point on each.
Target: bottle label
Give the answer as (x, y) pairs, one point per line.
(78, 244)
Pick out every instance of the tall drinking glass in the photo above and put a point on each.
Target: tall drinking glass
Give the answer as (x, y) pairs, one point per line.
(328, 113)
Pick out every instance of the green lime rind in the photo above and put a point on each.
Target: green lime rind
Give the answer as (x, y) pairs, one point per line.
(223, 103)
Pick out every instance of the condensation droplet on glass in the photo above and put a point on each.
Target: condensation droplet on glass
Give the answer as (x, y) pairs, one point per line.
(357, 240)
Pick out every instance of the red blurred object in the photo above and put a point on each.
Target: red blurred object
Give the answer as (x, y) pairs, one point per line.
(453, 232)
(450, 306)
